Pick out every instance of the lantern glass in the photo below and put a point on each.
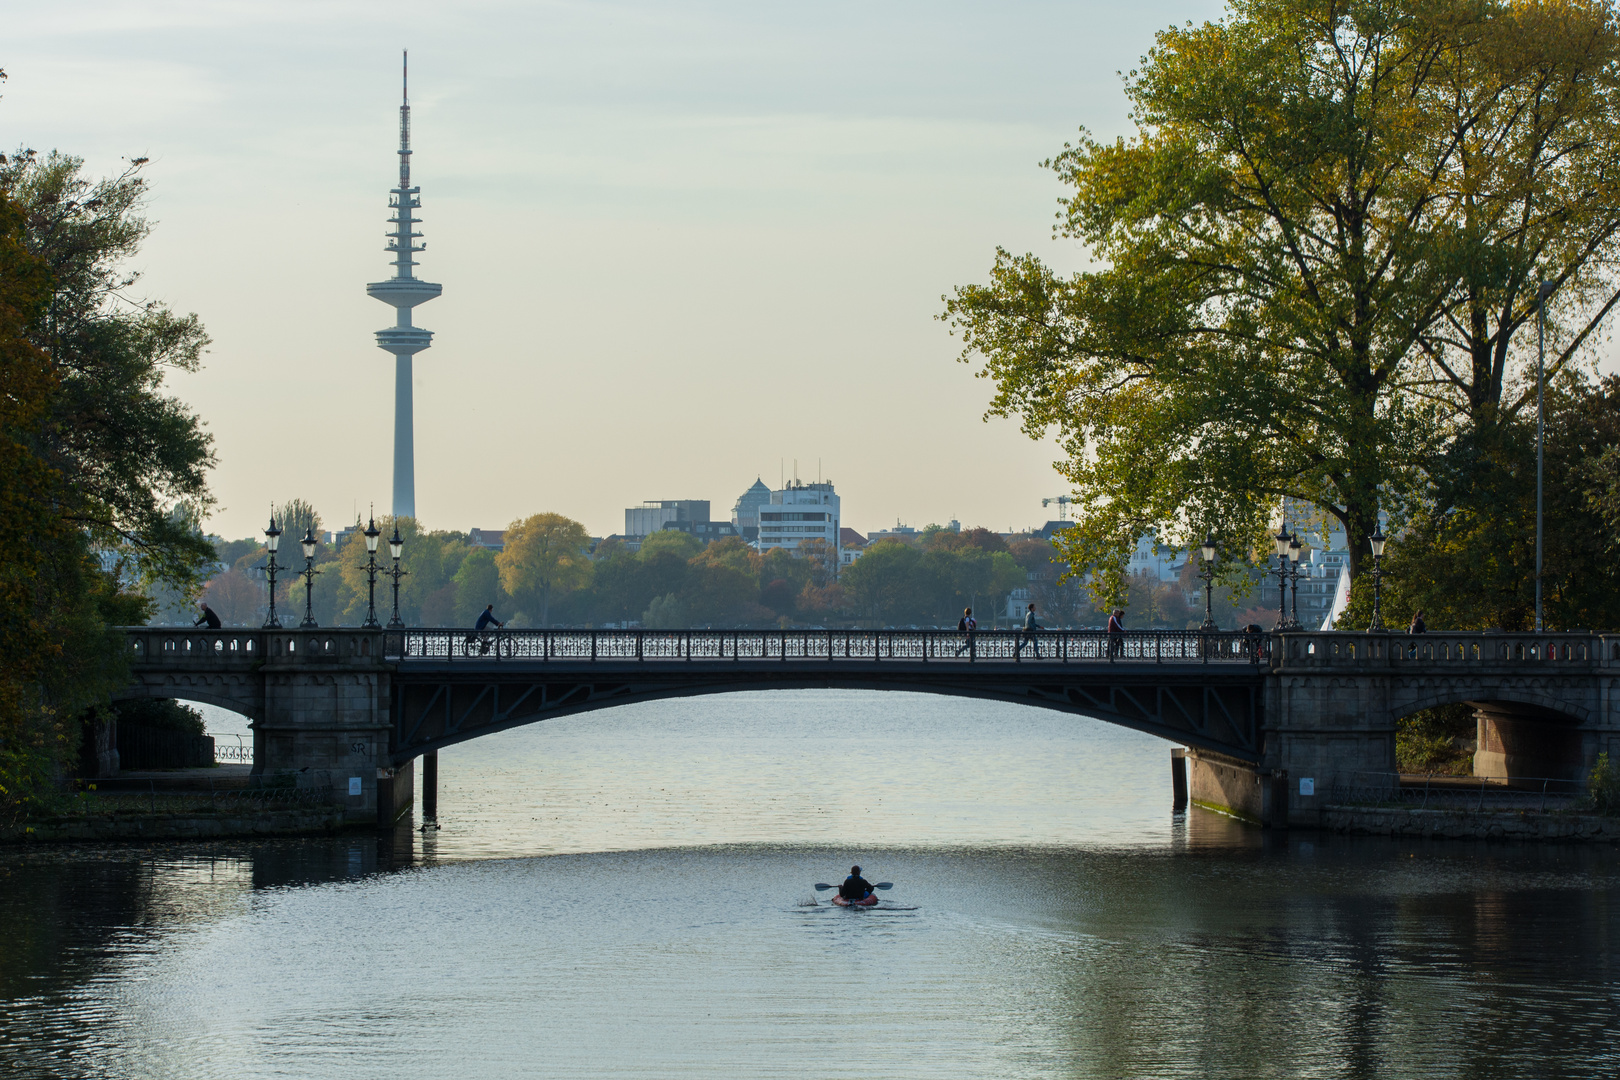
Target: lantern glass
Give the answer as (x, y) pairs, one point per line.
(1208, 551)
(395, 544)
(308, 543)
(1282, 540)
(1377, 541)
(371, 534)
(1294, 550)
(272, 537)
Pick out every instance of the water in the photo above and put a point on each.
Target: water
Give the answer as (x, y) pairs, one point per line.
(629, 894)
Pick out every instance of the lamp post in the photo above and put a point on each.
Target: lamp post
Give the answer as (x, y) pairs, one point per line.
(1282, 540)
(1295, 550)
(371, 534)
(272, 540)
(395, 546)
(1377, 542)
(1543, 290)
(1208, 574)
(308, 573)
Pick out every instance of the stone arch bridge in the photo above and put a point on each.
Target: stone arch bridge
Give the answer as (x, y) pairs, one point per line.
(356, 708)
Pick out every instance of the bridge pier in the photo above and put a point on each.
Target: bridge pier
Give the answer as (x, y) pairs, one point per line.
(430, 786)
(1524, 741)
(325, 721)
(1238, 788)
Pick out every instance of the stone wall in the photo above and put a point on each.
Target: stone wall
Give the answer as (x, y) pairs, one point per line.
(1470, 824)
(138, 827)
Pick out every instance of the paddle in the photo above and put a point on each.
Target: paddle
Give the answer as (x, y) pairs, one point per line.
(879, 885)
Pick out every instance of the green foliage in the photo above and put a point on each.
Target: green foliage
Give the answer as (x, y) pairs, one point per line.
(131, 454)
(1312, 266)
(165, 713)
(68, 498)
(1468, 561)
(1434, 741)
(1603, 785)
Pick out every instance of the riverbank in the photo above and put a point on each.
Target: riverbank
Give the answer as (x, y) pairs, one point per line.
(1557, 826)
(201, 825)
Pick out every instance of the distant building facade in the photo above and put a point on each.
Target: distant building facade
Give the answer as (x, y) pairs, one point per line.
(797, 513)
(490, 539)
(745, 511)
(682, 515)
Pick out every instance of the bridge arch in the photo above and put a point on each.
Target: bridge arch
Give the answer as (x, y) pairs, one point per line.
(1225, 717)
(234, 695)
(1523, 727)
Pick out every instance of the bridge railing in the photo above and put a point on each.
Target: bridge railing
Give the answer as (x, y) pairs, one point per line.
(1337, 648)
(1418, 792)
(877, 646)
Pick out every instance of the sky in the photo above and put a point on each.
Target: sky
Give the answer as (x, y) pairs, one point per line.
(682, 244)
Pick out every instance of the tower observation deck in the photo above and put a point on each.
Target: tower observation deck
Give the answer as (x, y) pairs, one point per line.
(404, 291)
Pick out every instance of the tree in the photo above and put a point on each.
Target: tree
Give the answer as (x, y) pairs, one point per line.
(102, 476)
(130, 453)
(1314, 260)
(478, 583)
(1469, 563)
(544, 554)
(881, 585)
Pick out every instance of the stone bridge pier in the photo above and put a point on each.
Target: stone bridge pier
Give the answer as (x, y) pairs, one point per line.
(1545, 706)
(318, 701)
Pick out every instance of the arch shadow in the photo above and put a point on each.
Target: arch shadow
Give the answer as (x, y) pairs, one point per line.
(433, 713)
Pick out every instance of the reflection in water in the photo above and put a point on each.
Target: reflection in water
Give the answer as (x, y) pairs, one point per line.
(1043, 941)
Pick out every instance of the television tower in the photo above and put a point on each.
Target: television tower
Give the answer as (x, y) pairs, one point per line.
(404, 291)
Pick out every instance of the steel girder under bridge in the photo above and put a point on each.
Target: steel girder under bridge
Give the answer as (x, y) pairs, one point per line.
(1204, 690)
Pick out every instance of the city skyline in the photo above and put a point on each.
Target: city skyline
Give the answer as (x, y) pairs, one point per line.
(682, 243)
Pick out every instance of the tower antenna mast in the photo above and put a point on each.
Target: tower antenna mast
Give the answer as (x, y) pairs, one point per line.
(404, 291)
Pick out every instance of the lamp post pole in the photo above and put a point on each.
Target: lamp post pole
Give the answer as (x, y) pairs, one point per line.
(395, 546)
(371, 534)
(1377, 542)
(1208, 574)
(272, 540)
(308, 574)
(1282, 540)
(1294, 552)
(1542, 291)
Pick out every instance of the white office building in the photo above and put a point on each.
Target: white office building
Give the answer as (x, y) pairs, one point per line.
(797, 513)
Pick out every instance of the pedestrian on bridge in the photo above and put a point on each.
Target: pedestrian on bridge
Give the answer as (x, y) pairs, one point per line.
(966, 625)
(1116, 632)
(210, 617)
(1028, 636)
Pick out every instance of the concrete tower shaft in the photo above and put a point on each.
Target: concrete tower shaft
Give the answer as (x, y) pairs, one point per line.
(403, 292)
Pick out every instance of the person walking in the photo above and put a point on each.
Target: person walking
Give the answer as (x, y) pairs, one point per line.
(1418, 627)
(210, 617)
(966, 625)
(1116, 632)
(1028, 636)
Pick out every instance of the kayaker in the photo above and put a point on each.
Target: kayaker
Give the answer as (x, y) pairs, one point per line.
(855, 887)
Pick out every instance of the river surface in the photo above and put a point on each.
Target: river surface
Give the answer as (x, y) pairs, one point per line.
(630, 894)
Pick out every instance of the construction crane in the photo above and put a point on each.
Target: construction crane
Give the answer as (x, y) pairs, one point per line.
(1063, 502)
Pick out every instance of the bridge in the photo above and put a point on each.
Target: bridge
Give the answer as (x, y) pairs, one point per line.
(1269, 719)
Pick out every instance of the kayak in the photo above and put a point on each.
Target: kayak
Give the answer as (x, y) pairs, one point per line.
(870, 901)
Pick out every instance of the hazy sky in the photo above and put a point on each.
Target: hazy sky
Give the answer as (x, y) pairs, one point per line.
(679, 243)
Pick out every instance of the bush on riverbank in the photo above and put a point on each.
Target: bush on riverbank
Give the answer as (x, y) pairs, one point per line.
(1603, 785)
(1437, 741)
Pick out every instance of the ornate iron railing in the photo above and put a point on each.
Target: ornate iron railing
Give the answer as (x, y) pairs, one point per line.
(877, 646)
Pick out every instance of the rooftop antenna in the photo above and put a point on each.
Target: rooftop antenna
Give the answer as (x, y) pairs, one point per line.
(404, 291)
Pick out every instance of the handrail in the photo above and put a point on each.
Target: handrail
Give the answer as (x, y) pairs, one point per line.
(876, 646)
